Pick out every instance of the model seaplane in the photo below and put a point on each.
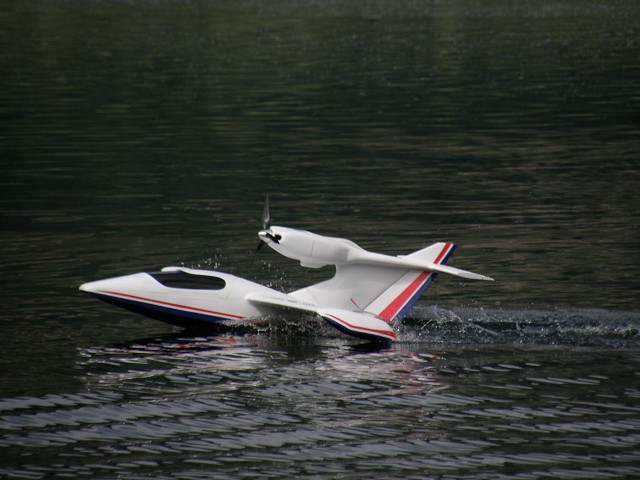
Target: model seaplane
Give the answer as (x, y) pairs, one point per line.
(369, 293)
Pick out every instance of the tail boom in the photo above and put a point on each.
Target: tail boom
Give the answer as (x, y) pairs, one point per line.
(382, 285)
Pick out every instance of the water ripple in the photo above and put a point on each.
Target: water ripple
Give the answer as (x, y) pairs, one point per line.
(211, 412)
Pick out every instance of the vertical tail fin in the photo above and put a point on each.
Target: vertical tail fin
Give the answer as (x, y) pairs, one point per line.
(396, 301)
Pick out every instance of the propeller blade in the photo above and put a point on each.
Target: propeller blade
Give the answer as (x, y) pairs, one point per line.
(265, 221)
(266, 216)
(258, 248)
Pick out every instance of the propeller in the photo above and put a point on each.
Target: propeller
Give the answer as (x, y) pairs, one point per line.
(266, 216)
(266, 232)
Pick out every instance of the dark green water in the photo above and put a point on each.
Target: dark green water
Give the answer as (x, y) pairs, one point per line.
(135, 135)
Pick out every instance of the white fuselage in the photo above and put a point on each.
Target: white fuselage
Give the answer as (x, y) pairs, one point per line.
(312, 250)
(173, 303)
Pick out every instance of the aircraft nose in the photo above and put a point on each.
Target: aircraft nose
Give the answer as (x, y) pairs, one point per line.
(268, 236)
(97, 286)
(88, 287)
(264, 235)
(126, 284)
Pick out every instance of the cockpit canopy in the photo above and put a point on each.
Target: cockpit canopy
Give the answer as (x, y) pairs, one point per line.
(190, 281)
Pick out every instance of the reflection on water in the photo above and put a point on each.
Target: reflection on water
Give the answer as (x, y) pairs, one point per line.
(139, 135)
(196, 407)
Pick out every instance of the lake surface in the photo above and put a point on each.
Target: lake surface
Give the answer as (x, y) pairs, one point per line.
(135, 135)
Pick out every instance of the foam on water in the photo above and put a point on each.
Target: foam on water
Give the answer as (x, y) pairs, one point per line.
(561, 327)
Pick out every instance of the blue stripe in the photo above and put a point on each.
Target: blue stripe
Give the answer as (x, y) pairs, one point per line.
(169, 315)
(412, 301)
(448, 255)
(356, 333)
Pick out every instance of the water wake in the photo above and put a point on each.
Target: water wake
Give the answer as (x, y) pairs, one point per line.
(588, 328)
(575, 328)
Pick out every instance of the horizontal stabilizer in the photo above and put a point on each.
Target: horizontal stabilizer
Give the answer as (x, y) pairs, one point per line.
(410, 262)
(455, 271)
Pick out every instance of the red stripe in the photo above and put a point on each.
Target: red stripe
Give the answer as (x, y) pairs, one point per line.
(171, 304)
(354, 327)
(396, 305)
(446, 248)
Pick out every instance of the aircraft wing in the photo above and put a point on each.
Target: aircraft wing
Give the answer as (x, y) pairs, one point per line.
(282, 301)
(357, 324)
